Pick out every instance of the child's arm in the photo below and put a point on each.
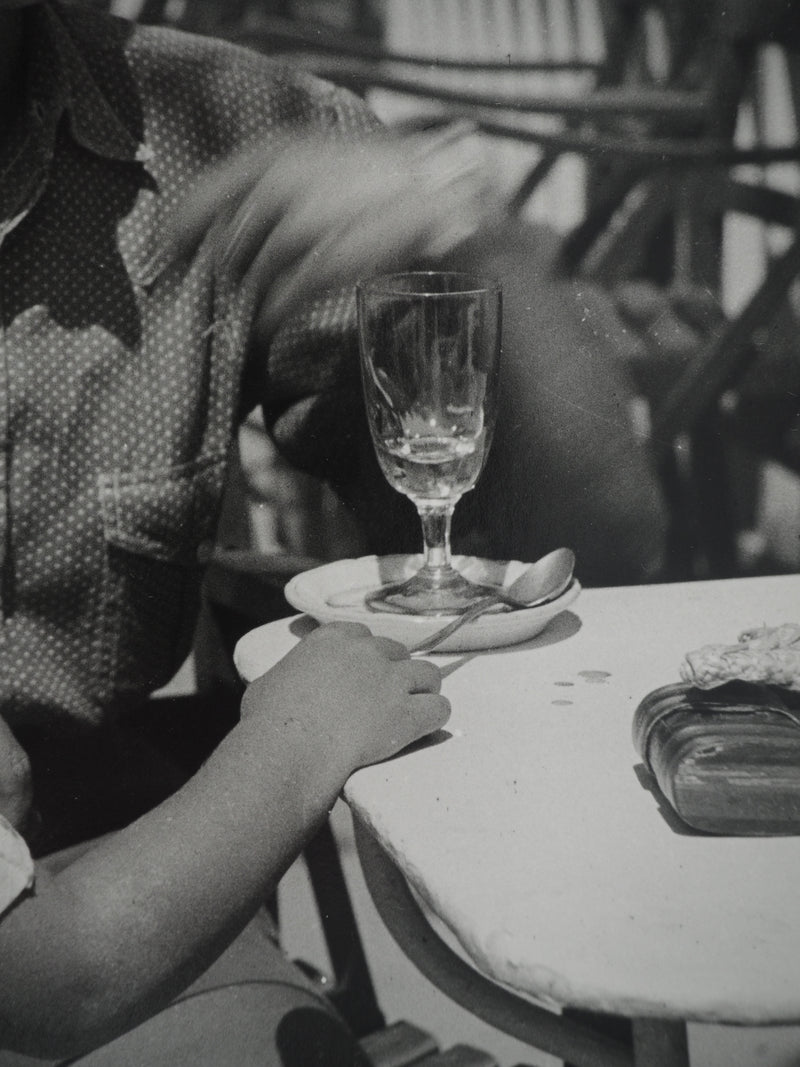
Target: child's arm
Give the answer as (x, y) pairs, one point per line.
(116, 935)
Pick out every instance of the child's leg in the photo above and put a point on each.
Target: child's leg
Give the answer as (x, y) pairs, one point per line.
(252, 1008)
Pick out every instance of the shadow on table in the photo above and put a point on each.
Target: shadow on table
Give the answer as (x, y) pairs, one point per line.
(562, 627)
(438, 737)
(559, 629)
(302, 626)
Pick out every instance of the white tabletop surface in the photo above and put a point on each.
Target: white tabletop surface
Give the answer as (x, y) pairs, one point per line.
(530, 834)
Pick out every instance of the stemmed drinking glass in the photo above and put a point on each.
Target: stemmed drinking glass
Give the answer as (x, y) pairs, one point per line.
(430, 348)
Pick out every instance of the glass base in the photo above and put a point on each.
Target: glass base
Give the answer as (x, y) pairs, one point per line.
(430, 592)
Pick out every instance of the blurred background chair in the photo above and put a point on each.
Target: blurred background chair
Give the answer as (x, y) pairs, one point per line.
(646, 133)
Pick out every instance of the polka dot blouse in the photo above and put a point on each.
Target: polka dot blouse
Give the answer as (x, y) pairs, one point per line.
(119, 395)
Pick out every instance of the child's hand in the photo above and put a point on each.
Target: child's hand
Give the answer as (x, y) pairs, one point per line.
(361, 698)
(16, 789)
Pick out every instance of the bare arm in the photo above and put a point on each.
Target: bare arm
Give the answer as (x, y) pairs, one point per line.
(116, 935)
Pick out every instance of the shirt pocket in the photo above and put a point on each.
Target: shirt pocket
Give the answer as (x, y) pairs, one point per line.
(159, 526)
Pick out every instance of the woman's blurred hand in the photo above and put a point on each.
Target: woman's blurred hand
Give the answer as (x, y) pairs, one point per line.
(293, 221)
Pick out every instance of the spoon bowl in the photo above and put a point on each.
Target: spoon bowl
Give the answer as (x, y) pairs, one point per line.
(543, 580)
(540, 583)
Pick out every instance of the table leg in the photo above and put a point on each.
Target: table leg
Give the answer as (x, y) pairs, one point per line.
(537, 1026)
(660, 1043)
(617, 1027)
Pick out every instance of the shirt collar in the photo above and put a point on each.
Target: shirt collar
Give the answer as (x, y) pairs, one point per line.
(62, 80)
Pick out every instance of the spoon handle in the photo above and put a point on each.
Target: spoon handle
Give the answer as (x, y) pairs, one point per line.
(478, 608)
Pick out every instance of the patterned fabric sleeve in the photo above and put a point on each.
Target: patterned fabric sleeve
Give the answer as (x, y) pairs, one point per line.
(16, 865)
(307, 377)
(310, 384)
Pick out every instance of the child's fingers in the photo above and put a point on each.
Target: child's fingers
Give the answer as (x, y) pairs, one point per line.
(354, 630)
(424, 677)
(391, 649)
(427, 712)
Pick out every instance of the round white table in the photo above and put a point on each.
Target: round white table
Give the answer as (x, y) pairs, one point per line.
(531, 833)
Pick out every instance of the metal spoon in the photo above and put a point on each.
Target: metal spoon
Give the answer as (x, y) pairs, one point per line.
(538, 584)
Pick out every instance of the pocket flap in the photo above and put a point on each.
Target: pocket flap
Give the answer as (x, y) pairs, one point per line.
(167, 513)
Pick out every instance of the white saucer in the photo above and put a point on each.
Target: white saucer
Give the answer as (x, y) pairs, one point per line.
(336, 591)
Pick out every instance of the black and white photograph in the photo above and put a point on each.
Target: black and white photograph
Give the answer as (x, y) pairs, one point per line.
(399, 533)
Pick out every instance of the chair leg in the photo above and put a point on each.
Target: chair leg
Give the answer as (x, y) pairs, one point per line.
(660, 1043)
(702, 531)
(460, 1056)
(610, 1025)
(398, 1045)
(679, 564)
(711, 491)
(405, 1045)
(353, 993)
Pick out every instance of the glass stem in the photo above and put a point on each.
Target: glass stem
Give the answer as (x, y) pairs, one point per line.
(436, 534)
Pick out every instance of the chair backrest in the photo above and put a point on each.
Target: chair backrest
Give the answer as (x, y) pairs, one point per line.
(645, 129)
(535, 77)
